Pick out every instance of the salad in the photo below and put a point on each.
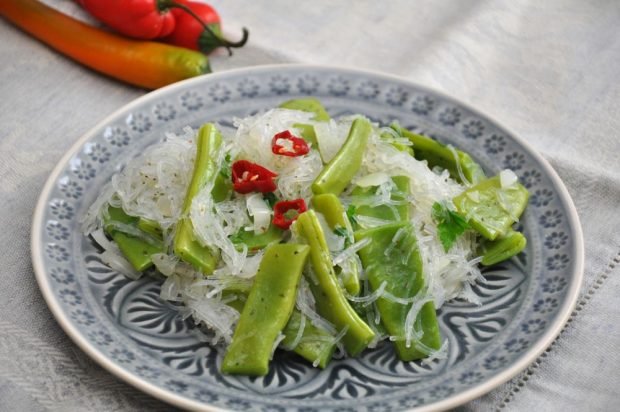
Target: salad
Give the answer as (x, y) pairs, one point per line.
(295, 231)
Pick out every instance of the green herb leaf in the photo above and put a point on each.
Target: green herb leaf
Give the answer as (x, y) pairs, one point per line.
(341, 231)
(351, 214)
(270, 198)
(450, 225)
(225, 169)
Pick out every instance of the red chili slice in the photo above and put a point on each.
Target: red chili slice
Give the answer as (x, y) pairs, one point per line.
(296, 145)
(249, 177)
(283, 210)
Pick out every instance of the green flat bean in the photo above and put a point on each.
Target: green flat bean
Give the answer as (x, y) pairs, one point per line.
(136, 250)
(235, 299)
(399, 194)
(491, 209)
(267, 310)
(316, 344)
(399, 146)
(392, 257)
(222, 187)
(438, 154)
(150, 226)
(331, 208)
(255, 242)
(503, 248)
(331, 302)
(117, 215)
(337, 174)
(205, 169)
(310, 105)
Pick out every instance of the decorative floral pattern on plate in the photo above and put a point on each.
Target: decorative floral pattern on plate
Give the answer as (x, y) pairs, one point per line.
(132, 328)
(164, 111)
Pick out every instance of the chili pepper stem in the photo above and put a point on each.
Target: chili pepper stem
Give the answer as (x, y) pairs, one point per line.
(167, 4)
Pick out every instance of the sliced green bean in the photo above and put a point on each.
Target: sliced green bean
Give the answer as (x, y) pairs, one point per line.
(438, 154)
(332, 209)
(205, 169)
(255, 242)
(117, 214)
(399, 195)
(331, 302)
(150, 226)
(490, 208)
(310, 105)
(136, 249)
(235, 299)
(267, 310)
(399, 146)
(222, 187)
(392, 260)
(316, 344)
(503, 248)
(337, 174)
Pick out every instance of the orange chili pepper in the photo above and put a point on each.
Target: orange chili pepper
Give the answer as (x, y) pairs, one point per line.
(142, 63)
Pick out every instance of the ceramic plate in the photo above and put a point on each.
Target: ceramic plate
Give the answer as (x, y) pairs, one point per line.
(124, 325)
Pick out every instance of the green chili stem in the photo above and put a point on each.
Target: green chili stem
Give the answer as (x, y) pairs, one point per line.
(165, 4)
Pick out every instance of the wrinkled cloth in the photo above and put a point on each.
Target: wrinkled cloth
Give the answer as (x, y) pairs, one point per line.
(548, 71)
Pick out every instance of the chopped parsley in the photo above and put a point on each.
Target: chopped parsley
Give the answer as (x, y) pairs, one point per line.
(270, 198)
(351, 214)
(450, 225)
(341, 231)
(225, 169)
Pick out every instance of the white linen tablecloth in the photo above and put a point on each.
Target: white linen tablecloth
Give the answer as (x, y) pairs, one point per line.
(547, 70)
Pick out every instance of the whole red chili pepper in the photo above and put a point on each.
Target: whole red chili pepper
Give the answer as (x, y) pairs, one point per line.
(198, 28)
(249, 177)
(142, 19)
(285, 212)
(297, 146)
(153, 19)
